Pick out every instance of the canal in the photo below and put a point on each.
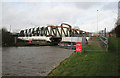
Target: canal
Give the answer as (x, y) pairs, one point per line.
(31, 61)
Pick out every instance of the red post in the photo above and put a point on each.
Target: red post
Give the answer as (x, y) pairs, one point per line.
(78, 46)
(29, 41)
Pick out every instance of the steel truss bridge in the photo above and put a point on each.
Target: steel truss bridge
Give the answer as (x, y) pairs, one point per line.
(51, 33)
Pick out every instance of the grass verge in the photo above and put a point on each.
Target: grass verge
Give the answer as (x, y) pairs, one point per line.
(91, 63)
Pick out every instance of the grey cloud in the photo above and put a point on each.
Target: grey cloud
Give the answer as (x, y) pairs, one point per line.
(87, 5)
(110, 6)
(24, 15)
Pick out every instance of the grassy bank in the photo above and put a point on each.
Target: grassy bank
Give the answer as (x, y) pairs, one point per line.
(91, 63)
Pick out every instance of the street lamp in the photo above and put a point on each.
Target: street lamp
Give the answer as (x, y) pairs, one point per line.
(97, 20)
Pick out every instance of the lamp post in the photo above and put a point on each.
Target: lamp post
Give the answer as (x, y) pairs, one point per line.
(97, 21)
(10, 28)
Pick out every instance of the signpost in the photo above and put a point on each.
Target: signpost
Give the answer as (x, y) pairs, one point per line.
(78, 46)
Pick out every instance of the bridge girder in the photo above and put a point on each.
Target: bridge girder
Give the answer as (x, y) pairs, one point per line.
(52, 31)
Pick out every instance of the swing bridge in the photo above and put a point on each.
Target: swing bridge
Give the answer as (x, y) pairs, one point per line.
(51, 33)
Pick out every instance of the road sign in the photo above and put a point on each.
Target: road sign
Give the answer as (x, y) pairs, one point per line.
(78, 46)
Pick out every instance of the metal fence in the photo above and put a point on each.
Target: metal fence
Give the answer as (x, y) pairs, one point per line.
(90, 42)
(96, 43)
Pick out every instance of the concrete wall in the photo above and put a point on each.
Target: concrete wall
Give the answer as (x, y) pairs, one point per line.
(72, 39)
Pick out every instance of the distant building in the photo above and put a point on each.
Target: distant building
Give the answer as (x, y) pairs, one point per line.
(95, 34)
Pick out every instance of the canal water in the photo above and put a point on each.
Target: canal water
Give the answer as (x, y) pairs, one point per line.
(31, 61)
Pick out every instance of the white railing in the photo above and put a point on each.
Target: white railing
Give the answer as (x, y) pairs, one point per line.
(105, 41)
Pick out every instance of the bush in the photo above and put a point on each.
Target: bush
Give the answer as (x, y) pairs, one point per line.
(113, 44)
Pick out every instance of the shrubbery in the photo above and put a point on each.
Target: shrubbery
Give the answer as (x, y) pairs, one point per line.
(117, 31)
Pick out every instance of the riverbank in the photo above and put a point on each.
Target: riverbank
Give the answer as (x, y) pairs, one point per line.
(9, 39)
(33, 43)
(91, 63)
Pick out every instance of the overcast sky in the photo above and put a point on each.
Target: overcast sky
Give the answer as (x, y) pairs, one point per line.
(21, 15)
